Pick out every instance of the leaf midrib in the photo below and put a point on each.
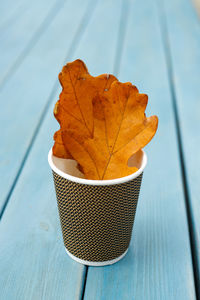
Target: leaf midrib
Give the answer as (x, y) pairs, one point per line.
(117, 135)
(77, 101)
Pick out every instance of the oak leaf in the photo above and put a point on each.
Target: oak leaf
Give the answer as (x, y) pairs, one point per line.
(74, 109)
(59, 148)
(118, 127)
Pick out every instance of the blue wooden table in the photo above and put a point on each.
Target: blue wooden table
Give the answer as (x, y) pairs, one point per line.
(156, 46)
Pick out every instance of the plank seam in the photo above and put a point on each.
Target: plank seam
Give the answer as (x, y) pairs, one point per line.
(36, 36)
(170, 70)
(28, 150)
(81, 28)
(84, 283)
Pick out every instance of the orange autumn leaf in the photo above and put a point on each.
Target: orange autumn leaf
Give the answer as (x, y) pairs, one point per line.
(119, 129)
(59, 148)
(74, 110)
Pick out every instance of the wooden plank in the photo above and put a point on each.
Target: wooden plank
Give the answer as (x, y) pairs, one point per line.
(184, 39)
(19, 37)
(102, 36)
(158, 264)
(33, 262)
(28, 91)
(9, 9)
(30, 236)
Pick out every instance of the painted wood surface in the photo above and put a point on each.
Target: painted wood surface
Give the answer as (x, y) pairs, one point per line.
(34, 264)
(20, 36)
(124, 37)
(31, 244)
(28, 91)
(158, 264)
(10, 10)
(183, 33)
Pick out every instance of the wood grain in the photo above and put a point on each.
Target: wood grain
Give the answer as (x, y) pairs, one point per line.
(158, 264)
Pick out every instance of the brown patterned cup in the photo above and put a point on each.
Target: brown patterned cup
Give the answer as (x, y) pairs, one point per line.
(96, 215)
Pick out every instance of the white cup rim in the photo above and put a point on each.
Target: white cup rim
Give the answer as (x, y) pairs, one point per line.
(97, 182)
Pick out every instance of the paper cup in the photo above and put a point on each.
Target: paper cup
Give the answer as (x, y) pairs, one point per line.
(96, 215)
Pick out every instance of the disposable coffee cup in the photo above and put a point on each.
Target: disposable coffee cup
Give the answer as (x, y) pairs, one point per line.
(96, 216)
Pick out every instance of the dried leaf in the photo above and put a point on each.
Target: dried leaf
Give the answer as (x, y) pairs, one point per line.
(74, 110)
(59, 148)
(119, 129)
